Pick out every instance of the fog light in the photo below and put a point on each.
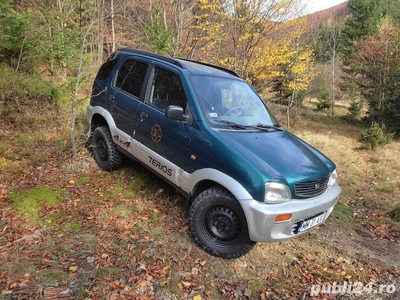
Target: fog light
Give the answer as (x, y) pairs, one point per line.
(281, 218)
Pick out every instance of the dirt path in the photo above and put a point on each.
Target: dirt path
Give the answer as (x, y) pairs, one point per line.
(351, 245)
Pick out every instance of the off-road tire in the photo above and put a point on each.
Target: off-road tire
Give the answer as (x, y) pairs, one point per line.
(218, 224)
(105, 152)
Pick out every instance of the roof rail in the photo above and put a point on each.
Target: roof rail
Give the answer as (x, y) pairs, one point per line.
(176, 61)
(154, 55)
(211, 66)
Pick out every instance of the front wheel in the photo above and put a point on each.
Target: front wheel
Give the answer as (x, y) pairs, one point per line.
(105, 152)
(218, 224)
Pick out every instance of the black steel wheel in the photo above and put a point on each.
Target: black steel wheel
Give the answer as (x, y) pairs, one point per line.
(105, 152)
(218, 224)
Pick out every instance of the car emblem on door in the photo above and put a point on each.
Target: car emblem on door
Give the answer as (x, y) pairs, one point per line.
(156, 133)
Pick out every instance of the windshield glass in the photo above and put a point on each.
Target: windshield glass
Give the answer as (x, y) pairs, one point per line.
(225, 100)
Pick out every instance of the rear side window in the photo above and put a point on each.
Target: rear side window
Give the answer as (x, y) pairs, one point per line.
(131, 76)
(107, 67)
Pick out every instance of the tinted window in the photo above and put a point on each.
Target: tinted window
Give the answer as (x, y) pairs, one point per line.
(131, 76)
(107, 67)
(167, 90)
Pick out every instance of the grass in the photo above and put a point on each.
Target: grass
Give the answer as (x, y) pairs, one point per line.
(53, 277)
(343, 213)
(355, 166)
(107, 273)
(394, 213)
(30, 203)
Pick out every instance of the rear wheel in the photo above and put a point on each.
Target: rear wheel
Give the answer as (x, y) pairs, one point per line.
(218, 224)
(105, 152)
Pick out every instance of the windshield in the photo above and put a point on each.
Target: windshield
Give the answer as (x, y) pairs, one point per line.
(228, 100)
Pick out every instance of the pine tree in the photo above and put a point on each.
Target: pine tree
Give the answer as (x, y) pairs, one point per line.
(365, 16)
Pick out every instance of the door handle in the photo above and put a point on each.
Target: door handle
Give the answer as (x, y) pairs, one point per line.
(111, 97)
(143, 116)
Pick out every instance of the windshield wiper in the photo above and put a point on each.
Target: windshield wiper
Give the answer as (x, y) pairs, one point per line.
(232, 124)
(276, 126)
(259, 126)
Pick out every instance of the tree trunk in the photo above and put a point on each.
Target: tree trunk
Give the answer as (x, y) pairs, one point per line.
(112, 27)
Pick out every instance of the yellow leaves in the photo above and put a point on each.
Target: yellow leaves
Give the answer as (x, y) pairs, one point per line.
(73, 268)
(166, 268)
(241, 37)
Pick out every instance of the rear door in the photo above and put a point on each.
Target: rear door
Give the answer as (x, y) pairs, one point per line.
(126, 92)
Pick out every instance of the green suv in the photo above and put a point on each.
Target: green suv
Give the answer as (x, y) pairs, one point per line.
(206, 132)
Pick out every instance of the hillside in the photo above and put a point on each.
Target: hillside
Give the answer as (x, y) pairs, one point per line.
(71, 231)
(328, 16)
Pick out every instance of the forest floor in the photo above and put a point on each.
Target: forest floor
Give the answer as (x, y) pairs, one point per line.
(71, 231)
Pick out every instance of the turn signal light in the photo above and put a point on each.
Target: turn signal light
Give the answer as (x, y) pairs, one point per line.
(281, 218)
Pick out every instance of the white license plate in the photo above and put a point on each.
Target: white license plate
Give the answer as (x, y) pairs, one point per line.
(311, 223)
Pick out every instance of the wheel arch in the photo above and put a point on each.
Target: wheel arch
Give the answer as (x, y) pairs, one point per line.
(202, 186)
(204, 179)
(100, 117)
(97, 121)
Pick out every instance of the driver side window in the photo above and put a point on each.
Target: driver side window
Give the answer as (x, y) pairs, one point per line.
(166, 90)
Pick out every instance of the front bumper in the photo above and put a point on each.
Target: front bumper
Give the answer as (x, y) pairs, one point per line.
(261, 217)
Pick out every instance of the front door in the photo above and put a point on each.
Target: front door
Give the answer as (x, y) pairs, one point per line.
(168, 138)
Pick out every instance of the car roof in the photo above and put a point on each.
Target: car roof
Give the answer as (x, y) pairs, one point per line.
(194, 67)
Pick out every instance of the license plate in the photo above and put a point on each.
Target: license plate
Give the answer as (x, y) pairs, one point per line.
(308, 224)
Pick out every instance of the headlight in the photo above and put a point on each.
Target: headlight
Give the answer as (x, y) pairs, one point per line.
(276, 192)
(333, 179)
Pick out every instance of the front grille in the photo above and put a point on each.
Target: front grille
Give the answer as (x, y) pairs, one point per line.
(311, 188)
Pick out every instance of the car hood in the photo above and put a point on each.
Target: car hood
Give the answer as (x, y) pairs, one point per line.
(278, 156)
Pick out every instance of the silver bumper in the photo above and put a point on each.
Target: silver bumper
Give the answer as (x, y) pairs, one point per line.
(261, 216)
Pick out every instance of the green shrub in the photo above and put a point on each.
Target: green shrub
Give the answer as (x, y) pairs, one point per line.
(354, 110)
(374, 137)
(324, 95)
(323, 105)
(394, 214)
(27, 86)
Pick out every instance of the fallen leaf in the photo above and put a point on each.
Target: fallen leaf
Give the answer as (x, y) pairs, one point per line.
(14, 285)
(166, 268)
(127, 288)
(142, 283)
(47, 261)
(73, 268)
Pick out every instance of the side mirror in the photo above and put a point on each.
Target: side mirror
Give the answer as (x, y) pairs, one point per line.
(175, 112)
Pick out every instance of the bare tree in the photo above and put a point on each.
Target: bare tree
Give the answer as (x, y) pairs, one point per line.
(334, 45)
